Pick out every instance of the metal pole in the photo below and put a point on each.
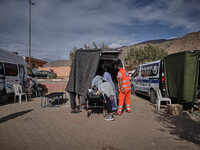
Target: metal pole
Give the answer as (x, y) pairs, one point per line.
(30, 33)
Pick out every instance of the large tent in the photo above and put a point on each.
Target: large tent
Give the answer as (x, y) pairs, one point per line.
(182, 75)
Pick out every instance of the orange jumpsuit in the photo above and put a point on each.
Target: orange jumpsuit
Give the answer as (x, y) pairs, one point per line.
(126, 85)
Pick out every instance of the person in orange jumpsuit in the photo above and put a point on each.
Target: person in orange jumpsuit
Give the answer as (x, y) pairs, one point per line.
(124, 85)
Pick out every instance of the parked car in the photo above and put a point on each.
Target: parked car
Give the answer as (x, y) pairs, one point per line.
(130, 73)
(42, 74)
(147, 77)
(176, 75)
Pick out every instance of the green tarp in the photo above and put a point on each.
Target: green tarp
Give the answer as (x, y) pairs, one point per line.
(181, 75)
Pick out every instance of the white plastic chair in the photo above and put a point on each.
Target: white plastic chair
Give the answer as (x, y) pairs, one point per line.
(18, 92)
(160, 98)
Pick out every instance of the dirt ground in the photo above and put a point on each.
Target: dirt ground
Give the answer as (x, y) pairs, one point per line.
(30, 126)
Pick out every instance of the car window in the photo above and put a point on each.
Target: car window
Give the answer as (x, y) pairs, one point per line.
(149, 70)
(136, 73)
(11, 69)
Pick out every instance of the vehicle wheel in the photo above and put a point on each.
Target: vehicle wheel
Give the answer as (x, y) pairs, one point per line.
(153, 96)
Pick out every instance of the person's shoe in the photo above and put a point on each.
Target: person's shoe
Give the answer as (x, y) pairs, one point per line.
(110, 118)
(127, 111)
(78, 111)
(73, 111)
(82, 108)
(117, 114)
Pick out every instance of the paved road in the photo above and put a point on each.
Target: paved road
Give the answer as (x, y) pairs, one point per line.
(28, 126)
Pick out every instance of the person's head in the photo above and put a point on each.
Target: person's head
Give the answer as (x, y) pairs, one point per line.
(105, 68)
(28, 79)
(95, 89)
(119, 64)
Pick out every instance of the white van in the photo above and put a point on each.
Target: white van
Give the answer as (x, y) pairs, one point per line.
(148, 76)
(13, 70)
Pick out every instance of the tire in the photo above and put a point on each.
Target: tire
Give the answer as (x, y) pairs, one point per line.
(153, 96)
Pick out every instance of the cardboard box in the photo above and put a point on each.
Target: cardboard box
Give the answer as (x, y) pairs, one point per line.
(175, 109)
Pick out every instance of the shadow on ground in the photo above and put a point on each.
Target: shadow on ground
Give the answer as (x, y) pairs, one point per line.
(142, 96)
(10, 100)
(110, 148)
(54, 101)
(95, 111)
(15, 115)
(183, 126)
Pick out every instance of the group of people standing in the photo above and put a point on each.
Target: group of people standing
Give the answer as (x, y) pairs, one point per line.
(124, 86)
(106, 86)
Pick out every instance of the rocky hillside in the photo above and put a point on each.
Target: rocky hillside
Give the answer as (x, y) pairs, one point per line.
(190, 41)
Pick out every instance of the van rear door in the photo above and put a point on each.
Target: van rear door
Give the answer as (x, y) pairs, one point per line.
(11, 76)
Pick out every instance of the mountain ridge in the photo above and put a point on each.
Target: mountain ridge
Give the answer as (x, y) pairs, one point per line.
(190, 41)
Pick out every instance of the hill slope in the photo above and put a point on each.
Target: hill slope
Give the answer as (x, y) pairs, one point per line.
(190, 41)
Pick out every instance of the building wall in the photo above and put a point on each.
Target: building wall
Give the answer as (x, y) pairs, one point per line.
(35, 63)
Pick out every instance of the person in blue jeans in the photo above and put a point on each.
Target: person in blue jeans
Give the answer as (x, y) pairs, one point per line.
(108, 77)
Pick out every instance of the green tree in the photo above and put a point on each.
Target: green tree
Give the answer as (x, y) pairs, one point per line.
(95, 45)
(103, 46)
(137, 56)
(52, 76)
(86, 46)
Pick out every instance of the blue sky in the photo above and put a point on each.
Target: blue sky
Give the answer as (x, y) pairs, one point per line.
(60, 25)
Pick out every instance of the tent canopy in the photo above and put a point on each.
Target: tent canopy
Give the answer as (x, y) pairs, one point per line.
(181, 75)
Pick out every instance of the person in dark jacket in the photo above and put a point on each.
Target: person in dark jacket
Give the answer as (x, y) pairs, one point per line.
(74, 107)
